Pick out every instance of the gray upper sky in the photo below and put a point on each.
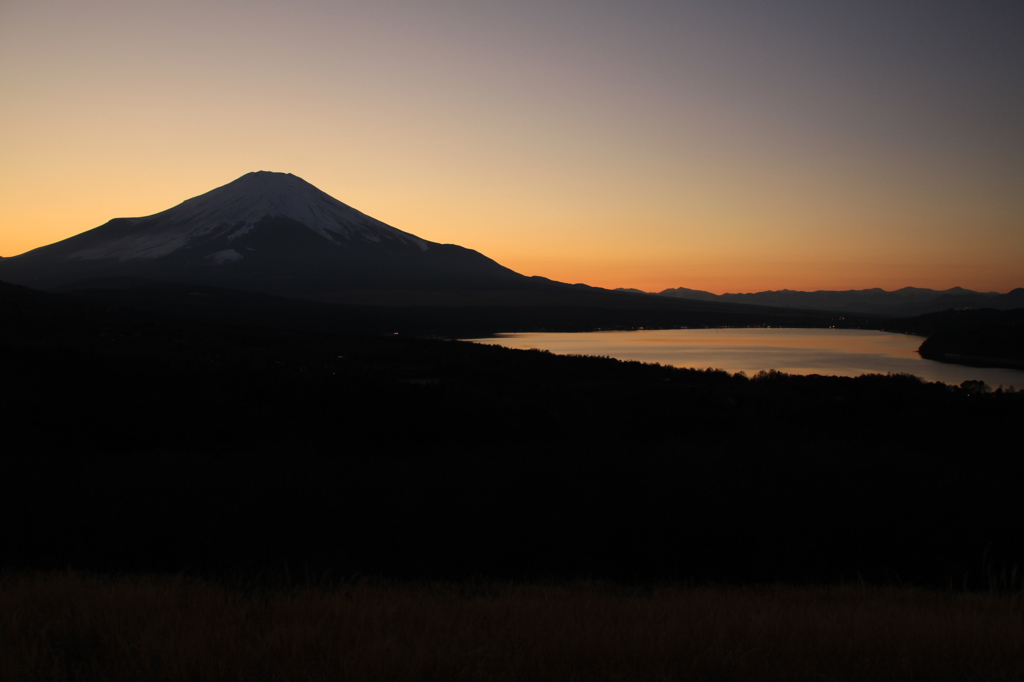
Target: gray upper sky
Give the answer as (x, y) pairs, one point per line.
(728, 146)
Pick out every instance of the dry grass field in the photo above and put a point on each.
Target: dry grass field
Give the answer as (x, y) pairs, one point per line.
(68, 626)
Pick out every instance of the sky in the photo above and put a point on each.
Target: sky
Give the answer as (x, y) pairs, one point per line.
(727, 145)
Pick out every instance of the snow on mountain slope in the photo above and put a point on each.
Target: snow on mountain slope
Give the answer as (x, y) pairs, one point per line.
(234, 210)
(269, 232)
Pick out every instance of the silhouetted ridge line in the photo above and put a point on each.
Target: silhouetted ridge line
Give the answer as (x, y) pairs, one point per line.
(904, 302)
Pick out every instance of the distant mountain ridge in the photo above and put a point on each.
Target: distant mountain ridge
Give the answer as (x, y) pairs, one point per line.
(904, 302)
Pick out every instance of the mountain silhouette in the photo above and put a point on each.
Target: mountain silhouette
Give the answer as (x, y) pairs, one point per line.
(905, 302)
(270, 232)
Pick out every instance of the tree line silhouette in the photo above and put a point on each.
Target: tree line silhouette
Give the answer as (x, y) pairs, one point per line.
(140, 441)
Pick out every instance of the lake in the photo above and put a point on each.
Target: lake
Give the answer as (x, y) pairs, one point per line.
(843, 352)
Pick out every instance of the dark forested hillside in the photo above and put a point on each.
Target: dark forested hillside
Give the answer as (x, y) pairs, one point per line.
(985, 337)
(144, 441)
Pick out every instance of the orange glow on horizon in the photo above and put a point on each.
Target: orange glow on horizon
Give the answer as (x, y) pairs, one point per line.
(683, 146)
(562, 243)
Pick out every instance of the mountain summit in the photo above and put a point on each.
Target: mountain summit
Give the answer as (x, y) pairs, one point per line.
(265, 231)
(237, 208)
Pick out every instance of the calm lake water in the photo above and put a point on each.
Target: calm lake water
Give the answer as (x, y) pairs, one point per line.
(844, 352)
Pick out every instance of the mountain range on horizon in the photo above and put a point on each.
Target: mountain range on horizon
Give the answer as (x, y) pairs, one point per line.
(249, 250)
(275, 233)
(904, 302)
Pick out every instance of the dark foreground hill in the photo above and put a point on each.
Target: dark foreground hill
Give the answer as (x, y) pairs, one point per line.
(144, 441)
(550, 306)
(985, 337)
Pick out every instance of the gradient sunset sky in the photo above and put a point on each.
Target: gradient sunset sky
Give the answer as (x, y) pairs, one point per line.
(725, 146)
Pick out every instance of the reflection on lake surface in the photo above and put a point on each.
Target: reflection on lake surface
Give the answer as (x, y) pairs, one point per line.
(844, 352)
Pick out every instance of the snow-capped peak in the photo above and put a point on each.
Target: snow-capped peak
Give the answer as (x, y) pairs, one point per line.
(236, 208)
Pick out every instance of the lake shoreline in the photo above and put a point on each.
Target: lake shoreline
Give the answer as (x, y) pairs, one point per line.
(826, 351)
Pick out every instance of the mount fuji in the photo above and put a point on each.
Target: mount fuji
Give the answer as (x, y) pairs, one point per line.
(268, 232)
